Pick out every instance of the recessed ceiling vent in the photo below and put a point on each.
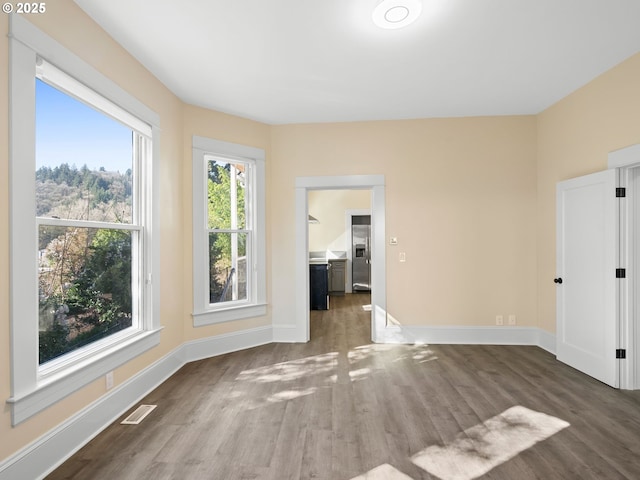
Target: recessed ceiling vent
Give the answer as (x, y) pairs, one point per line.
(138, 415)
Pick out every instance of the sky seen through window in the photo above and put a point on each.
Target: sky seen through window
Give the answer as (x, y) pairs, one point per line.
(68, 131)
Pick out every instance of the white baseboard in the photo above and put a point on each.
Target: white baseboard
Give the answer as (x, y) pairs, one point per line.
(287, 334)
(45, 454)
(227, 343)
(468, 335)
(547, 341)
(50, 450)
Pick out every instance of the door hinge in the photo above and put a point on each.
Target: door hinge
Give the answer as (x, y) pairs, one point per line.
(621, 192)
(621, 273)
(621, 353)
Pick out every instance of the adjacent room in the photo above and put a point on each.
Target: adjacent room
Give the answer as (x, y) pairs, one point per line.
(364, 239)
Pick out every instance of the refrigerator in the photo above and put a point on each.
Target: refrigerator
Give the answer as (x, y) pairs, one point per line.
(361, 253)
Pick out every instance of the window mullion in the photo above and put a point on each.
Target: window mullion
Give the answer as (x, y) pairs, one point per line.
(58, 222)
(227, 230)
(138, 241)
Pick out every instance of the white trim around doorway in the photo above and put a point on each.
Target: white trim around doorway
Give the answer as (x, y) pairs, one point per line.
(627, 162)
(374, 183)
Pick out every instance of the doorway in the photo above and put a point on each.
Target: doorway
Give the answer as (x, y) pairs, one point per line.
(619, 297)
(339, 253)
(372, 183)
(615, 287)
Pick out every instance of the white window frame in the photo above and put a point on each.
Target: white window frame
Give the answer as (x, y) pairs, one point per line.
(205, 313)
(34, 387)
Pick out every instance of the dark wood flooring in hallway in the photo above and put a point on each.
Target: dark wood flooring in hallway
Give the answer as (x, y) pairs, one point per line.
(340, 407)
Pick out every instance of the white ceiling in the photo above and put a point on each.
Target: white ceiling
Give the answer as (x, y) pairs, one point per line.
(298, 61)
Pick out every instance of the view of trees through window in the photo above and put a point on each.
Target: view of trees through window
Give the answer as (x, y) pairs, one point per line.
(228, 233)
(85, 222)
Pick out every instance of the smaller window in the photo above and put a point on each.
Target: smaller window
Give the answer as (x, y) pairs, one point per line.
(228, 203)
(230, 229)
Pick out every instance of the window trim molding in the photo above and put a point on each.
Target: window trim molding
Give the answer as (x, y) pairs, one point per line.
(30, 391)
(203, 313)
(32, 37)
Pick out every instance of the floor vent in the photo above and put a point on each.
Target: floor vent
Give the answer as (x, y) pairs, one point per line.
(138, 415)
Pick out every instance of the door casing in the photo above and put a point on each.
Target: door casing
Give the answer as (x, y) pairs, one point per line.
(627, 163)
(376, 184)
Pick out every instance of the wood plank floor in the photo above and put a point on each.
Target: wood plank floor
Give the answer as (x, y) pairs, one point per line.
(339, 407)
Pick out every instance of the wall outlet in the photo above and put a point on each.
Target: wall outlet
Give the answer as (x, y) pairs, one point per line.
(393, 241)
(403, 257)
(108, 380)
(512, 319)
(499, 320)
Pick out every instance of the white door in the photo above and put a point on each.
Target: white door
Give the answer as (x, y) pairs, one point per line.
(587, 256)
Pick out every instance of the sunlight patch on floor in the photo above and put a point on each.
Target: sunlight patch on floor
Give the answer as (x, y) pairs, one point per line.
(291, 394)
(481, 448)
(365, 352)
(328, 369)
(424, 356)
(383, 472)
(291, 370)
(419, 353)
(362, 372)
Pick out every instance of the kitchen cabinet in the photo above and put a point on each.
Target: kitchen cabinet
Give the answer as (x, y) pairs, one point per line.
(337, 276)
(319, 286)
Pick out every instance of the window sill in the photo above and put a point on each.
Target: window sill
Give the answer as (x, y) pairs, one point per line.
(211, 317)
(77, 376)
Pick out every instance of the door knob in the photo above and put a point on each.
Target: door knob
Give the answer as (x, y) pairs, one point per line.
(557, 280)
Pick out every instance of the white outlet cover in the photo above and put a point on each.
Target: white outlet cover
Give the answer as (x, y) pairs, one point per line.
(109, 380)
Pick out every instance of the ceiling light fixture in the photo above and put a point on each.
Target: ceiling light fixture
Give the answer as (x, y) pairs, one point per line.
(396, 13)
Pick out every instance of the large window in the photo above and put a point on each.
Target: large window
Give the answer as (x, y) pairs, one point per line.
(89, 226)
(83, 249)
(228, 231)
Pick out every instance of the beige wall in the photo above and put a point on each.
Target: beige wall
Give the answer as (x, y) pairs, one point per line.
(219, 126)
(574, 137)
(471, 201)
(460, 197)
(65, 22)
(68, 25)
(329, 207)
